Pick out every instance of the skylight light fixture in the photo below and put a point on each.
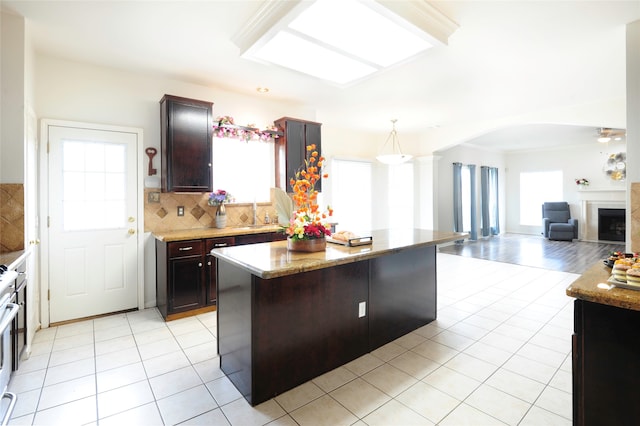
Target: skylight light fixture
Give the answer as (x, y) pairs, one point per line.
(395, 155)
(342, 42)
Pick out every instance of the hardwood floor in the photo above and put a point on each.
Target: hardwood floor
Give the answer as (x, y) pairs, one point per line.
(532, 250)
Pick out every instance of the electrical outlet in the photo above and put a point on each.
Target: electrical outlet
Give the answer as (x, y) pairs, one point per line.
(180, 210)
(362, 309)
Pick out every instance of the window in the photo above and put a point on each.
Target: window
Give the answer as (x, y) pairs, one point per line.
(535, 189)
(401, 196)
(94, 185)
(245, 169)
(353, 212)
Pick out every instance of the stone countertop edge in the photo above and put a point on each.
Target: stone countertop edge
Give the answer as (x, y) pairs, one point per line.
(592, 286)
(273, 260)
(200, 233)
(13, 259)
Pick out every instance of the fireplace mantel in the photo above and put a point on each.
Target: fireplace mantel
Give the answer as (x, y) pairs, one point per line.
(591, 200)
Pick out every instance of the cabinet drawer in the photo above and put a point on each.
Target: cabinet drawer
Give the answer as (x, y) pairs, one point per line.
(252, 239)
(219, 242)
(185, 248)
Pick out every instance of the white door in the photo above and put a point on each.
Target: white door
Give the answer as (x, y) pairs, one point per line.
(31, 224)
(93, 230)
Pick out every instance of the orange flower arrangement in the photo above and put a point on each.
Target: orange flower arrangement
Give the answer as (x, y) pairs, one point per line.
(308, 222)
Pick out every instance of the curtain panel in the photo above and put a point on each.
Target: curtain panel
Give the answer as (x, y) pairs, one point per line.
(465, 202)
(489, 201)
(457, 197)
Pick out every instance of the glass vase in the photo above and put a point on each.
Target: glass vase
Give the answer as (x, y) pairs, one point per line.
(221, 216)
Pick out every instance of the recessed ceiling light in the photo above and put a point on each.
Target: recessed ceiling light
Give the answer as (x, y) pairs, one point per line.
(262, 89)
(344, 44)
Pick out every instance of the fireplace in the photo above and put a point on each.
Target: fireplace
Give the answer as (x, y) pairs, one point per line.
(611, 224)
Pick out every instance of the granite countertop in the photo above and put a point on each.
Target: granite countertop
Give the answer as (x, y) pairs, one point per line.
(271, 260)
(592, 286)
(12, 259)
(199, 233)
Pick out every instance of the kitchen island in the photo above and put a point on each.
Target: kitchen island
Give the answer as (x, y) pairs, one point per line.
(286, 317)
(605, 350)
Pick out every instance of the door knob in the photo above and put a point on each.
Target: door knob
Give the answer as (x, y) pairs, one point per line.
(131, 231)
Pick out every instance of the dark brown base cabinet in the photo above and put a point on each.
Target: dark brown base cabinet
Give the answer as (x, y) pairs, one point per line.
(606, 365)
(180, 276)
(186, 272)
(275, 334)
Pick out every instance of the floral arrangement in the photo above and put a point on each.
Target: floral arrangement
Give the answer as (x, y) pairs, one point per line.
(308, 222)
(582, 181)
(220, 196)
(225, 120)
(225, 127)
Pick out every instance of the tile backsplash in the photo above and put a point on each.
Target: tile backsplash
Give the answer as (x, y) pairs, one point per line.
(161, 212)
(11, 217)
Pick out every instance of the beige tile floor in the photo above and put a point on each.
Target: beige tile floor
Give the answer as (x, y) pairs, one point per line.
(499, 353)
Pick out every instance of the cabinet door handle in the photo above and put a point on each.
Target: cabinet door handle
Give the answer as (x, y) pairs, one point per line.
(200, 265)
(185, 248)
(209, 263)
(221, 244)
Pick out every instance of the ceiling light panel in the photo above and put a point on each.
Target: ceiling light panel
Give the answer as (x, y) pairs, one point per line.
(343, 41)
(356, 28)
(293, 52)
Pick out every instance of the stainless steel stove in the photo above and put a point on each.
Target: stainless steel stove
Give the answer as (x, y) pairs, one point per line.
(8, 311)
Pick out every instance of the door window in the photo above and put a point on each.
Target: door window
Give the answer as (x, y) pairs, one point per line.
(93, 185)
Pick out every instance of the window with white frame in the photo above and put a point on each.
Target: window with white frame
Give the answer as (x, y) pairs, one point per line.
(535, 189)
(353, 213)
(401, 196)
(245, 169)
(94, 176)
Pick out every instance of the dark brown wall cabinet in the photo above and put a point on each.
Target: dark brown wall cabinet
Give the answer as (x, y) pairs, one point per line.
(186, 138)
(186, 272)
(291, 148)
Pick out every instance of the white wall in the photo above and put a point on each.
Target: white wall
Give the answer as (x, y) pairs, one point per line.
(82, 92)
(444, 197)
(585, 161)
(12, 86)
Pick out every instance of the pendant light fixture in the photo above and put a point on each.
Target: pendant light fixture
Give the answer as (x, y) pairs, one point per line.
(396, 156)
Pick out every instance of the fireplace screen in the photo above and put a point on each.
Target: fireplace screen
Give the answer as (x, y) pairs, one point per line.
(611, 224)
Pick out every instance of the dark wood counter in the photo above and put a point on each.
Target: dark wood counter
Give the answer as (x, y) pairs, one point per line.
(287, 317)
(605, 349)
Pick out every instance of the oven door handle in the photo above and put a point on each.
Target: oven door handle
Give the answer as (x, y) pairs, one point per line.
(12, 404)
(6, 319)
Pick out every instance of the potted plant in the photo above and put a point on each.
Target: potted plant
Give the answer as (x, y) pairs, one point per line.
(219, 198)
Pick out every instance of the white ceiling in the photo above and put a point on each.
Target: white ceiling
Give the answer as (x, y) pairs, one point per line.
(508, 58)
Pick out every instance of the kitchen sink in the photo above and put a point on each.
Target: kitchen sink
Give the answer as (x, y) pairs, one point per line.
(255, 226)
